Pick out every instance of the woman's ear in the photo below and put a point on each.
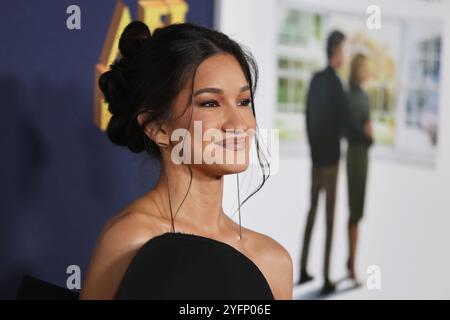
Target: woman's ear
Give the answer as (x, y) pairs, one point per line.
(154, 131)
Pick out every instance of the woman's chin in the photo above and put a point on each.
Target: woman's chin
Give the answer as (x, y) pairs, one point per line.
(233, 168)
(218, 170)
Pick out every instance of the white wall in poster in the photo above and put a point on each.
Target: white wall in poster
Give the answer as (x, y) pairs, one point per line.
(405, 228)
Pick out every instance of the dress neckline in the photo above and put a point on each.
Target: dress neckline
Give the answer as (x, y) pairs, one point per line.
(211, 241)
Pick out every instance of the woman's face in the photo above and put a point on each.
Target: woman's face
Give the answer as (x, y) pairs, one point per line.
(222, 123)
(364, 72)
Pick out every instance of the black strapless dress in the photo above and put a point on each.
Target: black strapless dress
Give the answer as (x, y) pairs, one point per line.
(177, 265)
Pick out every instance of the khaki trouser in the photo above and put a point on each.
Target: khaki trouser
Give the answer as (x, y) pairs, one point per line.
(322, 178)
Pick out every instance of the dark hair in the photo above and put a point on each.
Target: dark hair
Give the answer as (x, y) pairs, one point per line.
(151, 72)
(335, 38)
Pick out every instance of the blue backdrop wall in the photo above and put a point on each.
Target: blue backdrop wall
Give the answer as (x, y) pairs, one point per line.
(62, 178)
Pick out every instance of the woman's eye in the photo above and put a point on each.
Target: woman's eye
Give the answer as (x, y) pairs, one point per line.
(214, 103)
(209, 104)
(246, 102)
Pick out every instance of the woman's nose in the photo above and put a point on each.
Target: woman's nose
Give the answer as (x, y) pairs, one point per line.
(235, 121)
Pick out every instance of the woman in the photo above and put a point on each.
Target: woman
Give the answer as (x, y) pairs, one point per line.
(181, 76)
(359, 141)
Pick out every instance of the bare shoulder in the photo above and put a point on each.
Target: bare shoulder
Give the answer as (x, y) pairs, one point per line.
(275, 262)
(117, 244)
(130, 229)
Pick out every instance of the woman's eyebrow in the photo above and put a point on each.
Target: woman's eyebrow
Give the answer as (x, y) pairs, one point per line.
(218, 90)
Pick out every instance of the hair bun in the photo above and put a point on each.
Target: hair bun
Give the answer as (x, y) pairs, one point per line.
(133, 37)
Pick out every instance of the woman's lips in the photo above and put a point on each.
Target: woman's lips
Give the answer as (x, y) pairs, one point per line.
(235, 144)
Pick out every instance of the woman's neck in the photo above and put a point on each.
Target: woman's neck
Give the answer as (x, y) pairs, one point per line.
(202, 206)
